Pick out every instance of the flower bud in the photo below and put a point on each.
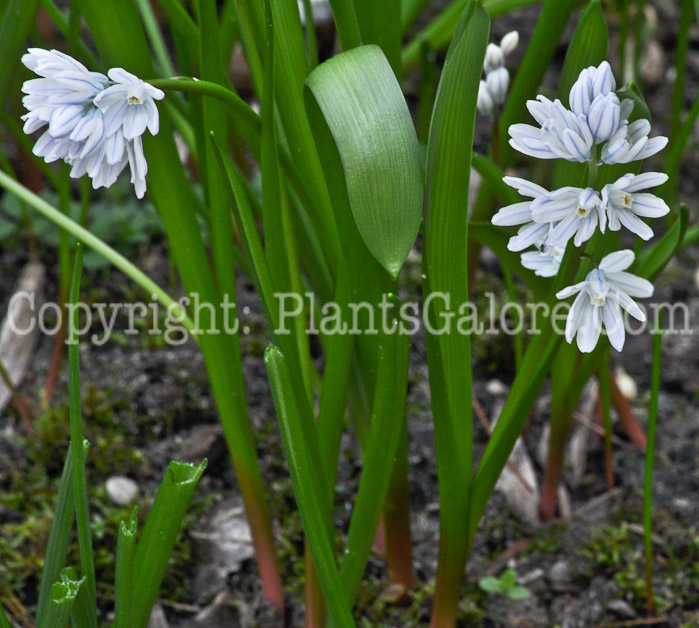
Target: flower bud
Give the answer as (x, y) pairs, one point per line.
(509, 42)
(485, 102)
(498, 82)
(494, 58)
(604, 117)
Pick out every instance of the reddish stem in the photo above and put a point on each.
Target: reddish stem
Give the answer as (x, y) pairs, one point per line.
(314, 601)
(627, 416)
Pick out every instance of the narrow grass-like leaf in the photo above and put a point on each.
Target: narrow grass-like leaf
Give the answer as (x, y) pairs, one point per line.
(4, 622)
(159, 535)
(61, 599)
(380, 24)
(61, 529)
(307, 490)
(82, 513)
(346, 23)
(119, 36)
(439, 32)
(14, 30)
(651, 261)
(445, 260)
(376, 140)
(549, 28)
(387, 425)
(124, 572)
(650, 457)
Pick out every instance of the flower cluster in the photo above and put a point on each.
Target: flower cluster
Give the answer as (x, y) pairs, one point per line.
(493, 90)
(95, 122)
(595, 130)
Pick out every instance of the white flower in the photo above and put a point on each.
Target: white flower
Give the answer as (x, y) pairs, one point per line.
(601, 297)
(128, 104)
(592, 82)
(563, 134)
(551, 218)
(574, 212)
(631, 143)
(94, 127)
(521, 214)
(545, 261)
(626, 205)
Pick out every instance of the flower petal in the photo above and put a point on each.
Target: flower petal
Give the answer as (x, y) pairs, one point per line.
(516, 214)
(614, 324)
(617, 261)
(631, 284)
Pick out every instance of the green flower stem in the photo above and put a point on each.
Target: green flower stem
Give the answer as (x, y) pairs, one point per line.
(93, 242)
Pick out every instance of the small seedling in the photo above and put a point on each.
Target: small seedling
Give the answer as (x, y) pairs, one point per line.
(506, 584)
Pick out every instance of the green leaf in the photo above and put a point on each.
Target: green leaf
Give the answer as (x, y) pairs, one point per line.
(519, 593)
(366, 113)
(307, 488)
(508, 578)
(587, 47)
(14, 30)
(444, 263)
(544, 42)
(61, 599)
(652, 261)
(123, 577)
(387, 424)
(159, 535)
(380, 24)
(490, 584)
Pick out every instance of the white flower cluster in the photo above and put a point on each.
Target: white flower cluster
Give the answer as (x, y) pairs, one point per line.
(549, 220)
(493, 90)
(95, 122)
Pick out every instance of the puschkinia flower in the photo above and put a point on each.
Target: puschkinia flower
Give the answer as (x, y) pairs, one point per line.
(596, 118)
(551, 218)
(545, 261)
(493, 90)
(631, 143)
(625, 203)
(95, 122)
(601, 297)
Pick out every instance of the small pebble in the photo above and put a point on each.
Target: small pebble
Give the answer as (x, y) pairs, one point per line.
(626, 384)
(620, 607)
(560, 574)
(121, 490)
(495, 387)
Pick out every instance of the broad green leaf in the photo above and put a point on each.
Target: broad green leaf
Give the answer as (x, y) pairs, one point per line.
(366, 113)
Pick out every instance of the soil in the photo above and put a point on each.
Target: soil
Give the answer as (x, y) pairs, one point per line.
(146, 404)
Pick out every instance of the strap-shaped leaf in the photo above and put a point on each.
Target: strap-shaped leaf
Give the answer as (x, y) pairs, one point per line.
(366, 113)
(652, 261)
